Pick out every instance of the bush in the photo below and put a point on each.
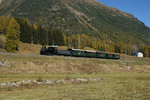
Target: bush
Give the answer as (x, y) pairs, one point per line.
(2, 44)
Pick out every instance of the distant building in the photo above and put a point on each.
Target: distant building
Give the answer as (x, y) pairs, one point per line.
(139, 54)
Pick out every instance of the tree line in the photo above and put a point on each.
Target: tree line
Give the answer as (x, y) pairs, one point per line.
(106, 45)
(37, 34)
(18, 30)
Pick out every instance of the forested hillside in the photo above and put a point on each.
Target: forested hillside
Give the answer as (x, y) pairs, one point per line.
(101, 27)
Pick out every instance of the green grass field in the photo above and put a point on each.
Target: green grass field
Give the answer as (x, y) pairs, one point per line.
(118, 82)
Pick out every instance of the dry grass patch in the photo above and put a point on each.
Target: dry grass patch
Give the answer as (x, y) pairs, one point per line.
(58, 64)
(29, 48)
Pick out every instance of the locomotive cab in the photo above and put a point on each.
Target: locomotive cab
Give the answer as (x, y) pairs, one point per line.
(49, 51)
(52, 50)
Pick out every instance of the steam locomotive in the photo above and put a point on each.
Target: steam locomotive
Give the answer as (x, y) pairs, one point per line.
(53, 50)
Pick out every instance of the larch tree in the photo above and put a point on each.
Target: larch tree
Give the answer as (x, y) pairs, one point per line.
(12, 36)
(145, 51)
(35, 26)
(4, 21)
(122, 47)
(34, 33)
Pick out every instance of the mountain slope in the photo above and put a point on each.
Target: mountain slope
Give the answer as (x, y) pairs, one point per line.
(80, 16)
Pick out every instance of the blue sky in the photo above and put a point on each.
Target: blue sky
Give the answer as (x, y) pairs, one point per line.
(139, 8)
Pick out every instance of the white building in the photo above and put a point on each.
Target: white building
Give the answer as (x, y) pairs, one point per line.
(139, 54)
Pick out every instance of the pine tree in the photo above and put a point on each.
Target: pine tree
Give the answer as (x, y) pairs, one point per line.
(58, 38)
(61, 41)
(50, 38)
(12, 36)
(55, 42)
(26, 30)
(43, 35)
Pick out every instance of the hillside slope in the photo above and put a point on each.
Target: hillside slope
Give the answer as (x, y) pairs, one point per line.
(80, 16)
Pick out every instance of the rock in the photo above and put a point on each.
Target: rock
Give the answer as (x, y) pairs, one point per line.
(129, 67)
(95, 79)
(9, 84)
(48, 82)
(72, 80)
(14, 85)
(18, 83)
(27, 82)
(34, 81)
(2, 64)
(60, 81)
(3, 85)
(81, 80)
(22, 81)
(39, 83)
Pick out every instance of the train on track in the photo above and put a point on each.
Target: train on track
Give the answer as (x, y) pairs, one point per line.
(53, 50)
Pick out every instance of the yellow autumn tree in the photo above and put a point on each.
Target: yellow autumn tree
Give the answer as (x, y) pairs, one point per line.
(122, 47)
(35, 26)
(12, 36)
(4, 21)
(146, 51)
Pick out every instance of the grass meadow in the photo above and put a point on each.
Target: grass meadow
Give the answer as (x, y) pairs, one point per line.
(118, 82)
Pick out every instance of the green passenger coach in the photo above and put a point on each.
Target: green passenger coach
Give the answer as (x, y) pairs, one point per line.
(78, 53)
(100, 55)
(90, 54)
(109, 56)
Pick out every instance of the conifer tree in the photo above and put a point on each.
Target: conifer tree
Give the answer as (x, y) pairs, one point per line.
(42, 35)
(58, 37)
(26, 30)
(61, 41)
(50, 38)
(12, 36)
